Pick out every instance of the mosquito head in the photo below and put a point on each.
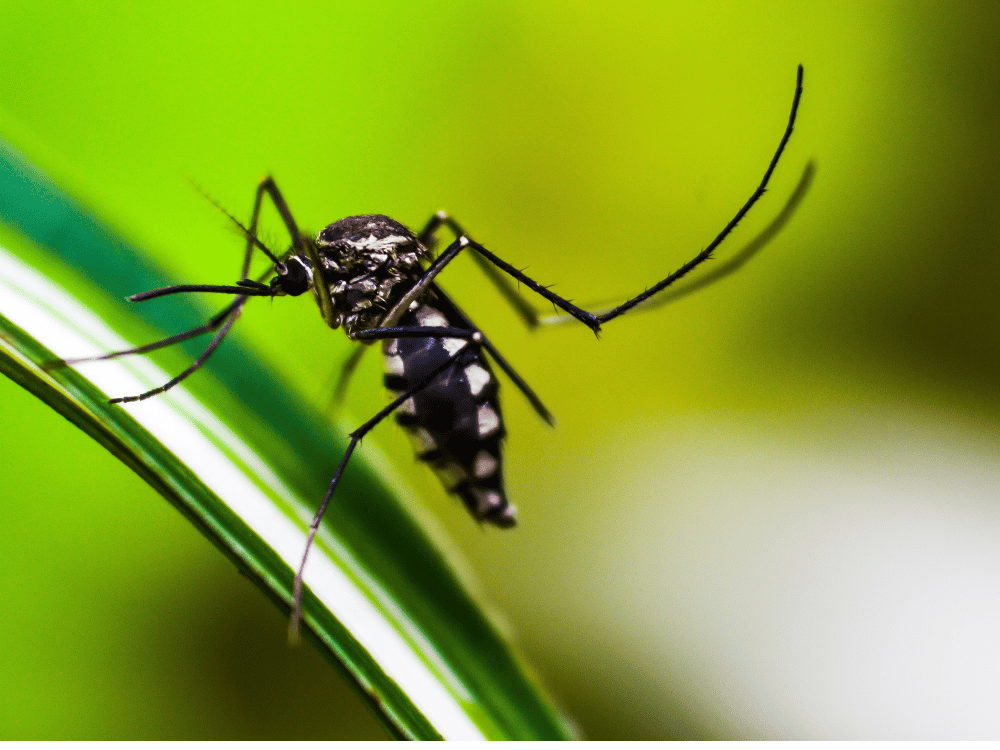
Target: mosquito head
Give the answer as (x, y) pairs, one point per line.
(294, 277)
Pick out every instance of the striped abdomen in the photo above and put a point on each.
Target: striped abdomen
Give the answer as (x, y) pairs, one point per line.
(455, 421)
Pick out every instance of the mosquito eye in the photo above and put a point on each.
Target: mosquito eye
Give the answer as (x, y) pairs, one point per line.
(292, 279)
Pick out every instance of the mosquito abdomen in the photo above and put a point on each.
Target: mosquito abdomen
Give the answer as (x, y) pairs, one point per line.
(454, 422)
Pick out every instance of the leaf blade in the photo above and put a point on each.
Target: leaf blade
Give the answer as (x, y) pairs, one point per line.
(376, 546)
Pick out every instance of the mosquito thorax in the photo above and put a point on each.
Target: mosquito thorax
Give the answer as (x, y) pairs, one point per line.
(369, 263)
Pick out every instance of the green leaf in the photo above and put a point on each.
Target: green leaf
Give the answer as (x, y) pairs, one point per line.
(246, 463)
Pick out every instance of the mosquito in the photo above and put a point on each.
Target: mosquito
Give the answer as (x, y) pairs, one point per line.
(376, 279)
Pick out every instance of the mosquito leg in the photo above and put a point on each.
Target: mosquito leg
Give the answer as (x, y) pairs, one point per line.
(418, 332)
(234, 315)
(252, 230)
(211, 325)
(753, 247)
(426, 236)
(356, 436)
(524, 310)
(707, 252)
(521, 306)
(593, 321)
(723, 270)
(522, 386)
(455, 312)
(322, 289)
(418, 289)
(580, 314)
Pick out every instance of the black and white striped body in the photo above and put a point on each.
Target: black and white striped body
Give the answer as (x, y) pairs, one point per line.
(455, 421)
(369, 263)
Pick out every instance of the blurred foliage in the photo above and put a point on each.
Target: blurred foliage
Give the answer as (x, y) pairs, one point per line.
(599, 144)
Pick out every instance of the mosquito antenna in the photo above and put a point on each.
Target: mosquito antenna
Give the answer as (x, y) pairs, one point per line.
(356, 436)
(246, 232)
(725, 269)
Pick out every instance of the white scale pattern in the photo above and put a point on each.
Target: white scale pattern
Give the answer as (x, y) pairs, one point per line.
(489, 421)
(484, 465)
(486, 499)
(394, 365)
(478, 378)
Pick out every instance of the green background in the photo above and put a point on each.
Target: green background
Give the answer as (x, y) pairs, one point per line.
(767, 511)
